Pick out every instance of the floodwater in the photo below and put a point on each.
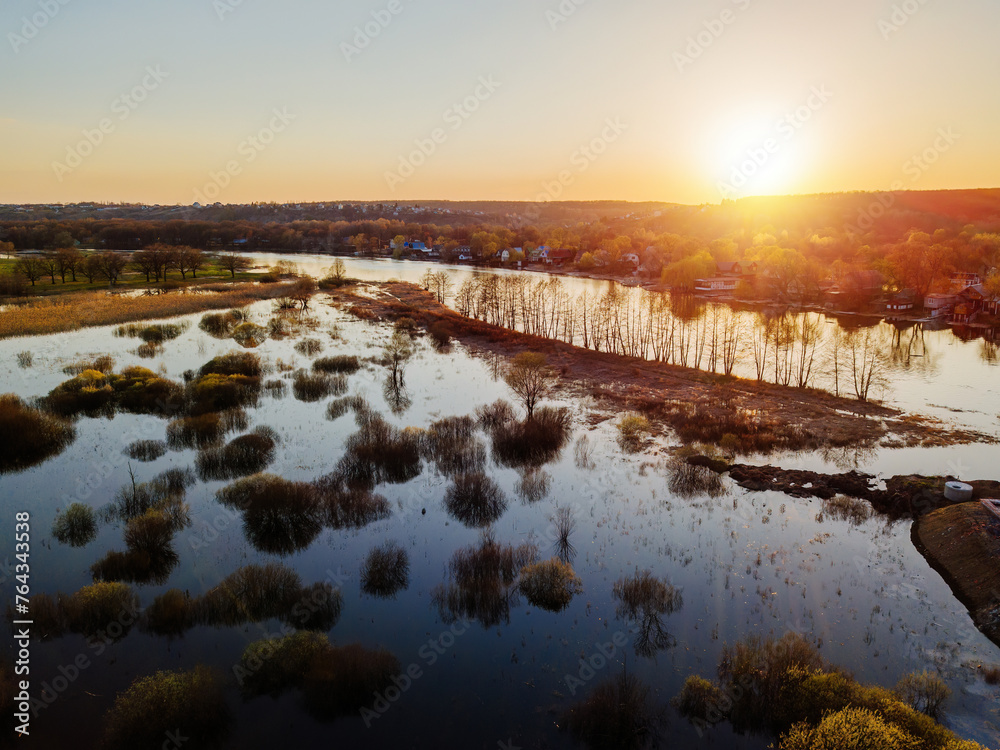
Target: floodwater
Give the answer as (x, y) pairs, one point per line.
(745, 562)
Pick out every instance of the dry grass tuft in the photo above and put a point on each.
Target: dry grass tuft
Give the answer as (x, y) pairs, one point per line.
(28, 435)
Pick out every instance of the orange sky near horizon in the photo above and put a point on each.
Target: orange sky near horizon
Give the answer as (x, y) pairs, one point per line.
(570, 99)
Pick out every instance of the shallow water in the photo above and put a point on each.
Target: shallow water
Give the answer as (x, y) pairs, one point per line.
(745, 563)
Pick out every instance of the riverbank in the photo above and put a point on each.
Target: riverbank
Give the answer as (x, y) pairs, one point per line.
(744, 416)
(962, 543)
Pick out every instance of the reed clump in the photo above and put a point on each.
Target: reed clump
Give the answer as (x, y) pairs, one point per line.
(386, 570)
(76, 525)
(29, 436)
(189, 704)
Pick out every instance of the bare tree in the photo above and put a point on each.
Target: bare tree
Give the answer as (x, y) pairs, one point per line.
(866, 357)
(68, 259)
(529, 377)
(395, 354)
(234, 263)
(111, 265)
(30, 268)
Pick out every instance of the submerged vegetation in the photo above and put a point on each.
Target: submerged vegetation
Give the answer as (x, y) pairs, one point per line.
(475, 500)
(136, 390)
(533, 442)
(385, 571)
(550, 585)
(247, 454)
(76, 525)
(146, 450)
(28, 435)
(279, 516)
(483, 581)
(784, 688)
(189, 704)
(334, 680)
(643, 599)
(618, 714)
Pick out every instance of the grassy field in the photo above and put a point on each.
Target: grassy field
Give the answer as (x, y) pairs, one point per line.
(97, 308)
(212, 272)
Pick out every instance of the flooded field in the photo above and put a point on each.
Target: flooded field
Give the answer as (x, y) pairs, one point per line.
(484, 667)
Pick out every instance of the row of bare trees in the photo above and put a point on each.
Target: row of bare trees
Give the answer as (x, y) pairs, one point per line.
(792, 349)
(155, 262)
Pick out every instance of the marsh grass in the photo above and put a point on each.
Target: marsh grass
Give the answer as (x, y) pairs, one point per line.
(347, 507)
(385, 571)
(689, 480)
(645, 599)
(215, 392)
(275, 388)
(550, 585)
(146, 450)
(29, 436)
(923, 691)
(189, 704)
(251, 594)
(315, 386)
(451, 445)
(205, 430)
(164, 492)
(92, 609)
(70, 312)
(309, 347)
(475, 500)
(379, 452)
(482, 581)
(220, 325)
(853, 510)
(135, 389)
(246, 364)
(279, 516)
(536, 441)
(340, 364)
(617, 715)
(495, 415)
(103, 364)
(152, 334)
(533, 485)
(250, 335)
(25, 359)
(170, 614)
(340, 406)
(633, 429)
(563, 524)
(335, 680)
(247, 454)
(75, 526)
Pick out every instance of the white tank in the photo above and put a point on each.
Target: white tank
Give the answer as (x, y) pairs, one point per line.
(958, 492)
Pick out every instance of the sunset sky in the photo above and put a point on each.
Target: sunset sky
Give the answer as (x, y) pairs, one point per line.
(519, 100)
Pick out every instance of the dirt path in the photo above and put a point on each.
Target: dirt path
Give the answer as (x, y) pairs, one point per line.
(697, 406)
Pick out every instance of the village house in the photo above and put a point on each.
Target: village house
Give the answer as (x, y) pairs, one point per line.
(556, 257)
(735, 268)
(940, 305)
(716, 285)
(903, 301)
